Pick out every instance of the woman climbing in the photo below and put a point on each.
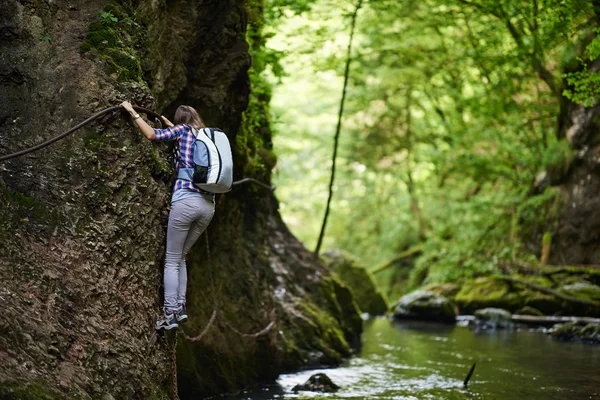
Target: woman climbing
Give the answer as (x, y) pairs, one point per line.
(191, 210)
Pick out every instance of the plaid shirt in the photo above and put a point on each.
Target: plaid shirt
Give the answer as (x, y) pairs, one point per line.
(183, 134)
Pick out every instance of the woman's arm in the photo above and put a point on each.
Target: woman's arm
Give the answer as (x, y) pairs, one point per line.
(146, 129)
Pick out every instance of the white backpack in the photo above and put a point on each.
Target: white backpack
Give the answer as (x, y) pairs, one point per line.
(212, 159)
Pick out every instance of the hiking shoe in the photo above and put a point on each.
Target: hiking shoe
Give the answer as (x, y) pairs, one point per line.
(167, 321)
(181, 313)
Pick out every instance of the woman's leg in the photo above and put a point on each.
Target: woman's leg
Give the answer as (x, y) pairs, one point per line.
(206, 210)
(180, 220)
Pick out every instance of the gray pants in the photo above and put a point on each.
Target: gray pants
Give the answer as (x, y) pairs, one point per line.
(189, 217)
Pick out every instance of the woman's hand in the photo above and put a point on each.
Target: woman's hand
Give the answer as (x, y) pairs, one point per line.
(166, 121)
(127, 106)
(146, 129)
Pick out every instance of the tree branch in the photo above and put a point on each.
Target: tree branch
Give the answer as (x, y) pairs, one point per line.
(338, 128)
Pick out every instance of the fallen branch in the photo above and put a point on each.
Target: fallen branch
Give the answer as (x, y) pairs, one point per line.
(407, 253)
(555, 293)
(551, 320)
(468, 378)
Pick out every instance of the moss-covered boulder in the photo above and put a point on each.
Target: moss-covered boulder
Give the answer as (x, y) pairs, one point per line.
(493, 318)
(577, 332)
(355, 275)
(582, 289)
(484, 293)
(426, 306)
(541, 292)
(317, 383)
(448, 290)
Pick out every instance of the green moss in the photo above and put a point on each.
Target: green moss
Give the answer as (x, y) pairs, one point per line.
(490, 292)
(487, 292)
(328, 337)
(557, 160)
(15, 391)
(355, 275)
(92, 141)
(253, 142)
(123, 63)
(582, 289)
(547, 238)
(101, 35)
(115, 38)
(577, 332)
(16, 209)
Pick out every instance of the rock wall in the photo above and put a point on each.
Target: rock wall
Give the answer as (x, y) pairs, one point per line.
(82, 223)
(578, 237)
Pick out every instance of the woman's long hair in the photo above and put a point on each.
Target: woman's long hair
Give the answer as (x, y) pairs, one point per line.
(186, 115)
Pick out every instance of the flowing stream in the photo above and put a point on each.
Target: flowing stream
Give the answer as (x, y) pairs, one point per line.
(430, 361)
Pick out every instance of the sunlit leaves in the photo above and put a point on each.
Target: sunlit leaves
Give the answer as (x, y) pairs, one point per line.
(451, 104)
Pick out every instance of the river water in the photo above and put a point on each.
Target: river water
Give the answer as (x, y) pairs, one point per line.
(430, 361)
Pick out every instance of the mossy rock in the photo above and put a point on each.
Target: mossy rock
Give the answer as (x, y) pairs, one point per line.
(582, 289)
(425, 306)
(577, 332)
(116, 38)
(490, 292)
(16, 391)
(512, 296)
(448, 290)
(355, 275)
(484, 293)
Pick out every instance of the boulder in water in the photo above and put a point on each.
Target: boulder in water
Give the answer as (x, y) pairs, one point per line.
(577, 331)
(426, 306)
(493, 318)
(317, 383)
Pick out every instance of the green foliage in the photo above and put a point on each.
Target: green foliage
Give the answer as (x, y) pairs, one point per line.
(253, 142)
(584, 87)
(450, 115)
(584, 84)
(108, 16)
(558, 158)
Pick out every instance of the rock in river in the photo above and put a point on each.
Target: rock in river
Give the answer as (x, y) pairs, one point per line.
(577, 332)
(317, 383)
(424, 305)
(493, 318)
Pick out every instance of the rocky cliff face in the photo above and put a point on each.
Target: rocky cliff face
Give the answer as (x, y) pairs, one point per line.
(82, 223)
(578, 238)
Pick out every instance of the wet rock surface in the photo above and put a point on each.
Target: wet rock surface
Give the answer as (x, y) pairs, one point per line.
(493, 318)
(426, 306)
(317, 383)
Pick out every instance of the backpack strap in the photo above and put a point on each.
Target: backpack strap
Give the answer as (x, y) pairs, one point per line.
(210, 133)
(186, 173)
